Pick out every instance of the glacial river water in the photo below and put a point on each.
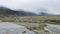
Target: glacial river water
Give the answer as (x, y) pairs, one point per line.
(10, 28)
(55, 29)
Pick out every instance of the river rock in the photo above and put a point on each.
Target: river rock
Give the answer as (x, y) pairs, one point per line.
(10, 28)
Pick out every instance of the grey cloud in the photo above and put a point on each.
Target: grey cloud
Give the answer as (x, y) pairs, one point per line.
(53, 6)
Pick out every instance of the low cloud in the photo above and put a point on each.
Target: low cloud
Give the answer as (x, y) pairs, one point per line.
(53, 6)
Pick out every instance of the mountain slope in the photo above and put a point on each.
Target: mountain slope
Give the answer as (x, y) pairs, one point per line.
(7, 11)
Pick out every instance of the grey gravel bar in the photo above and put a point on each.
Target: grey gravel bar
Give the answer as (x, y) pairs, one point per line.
(10, 28)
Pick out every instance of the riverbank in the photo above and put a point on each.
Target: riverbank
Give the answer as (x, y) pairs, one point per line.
(35, 25)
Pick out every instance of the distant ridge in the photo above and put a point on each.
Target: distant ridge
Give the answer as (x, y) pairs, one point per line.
(7, 11)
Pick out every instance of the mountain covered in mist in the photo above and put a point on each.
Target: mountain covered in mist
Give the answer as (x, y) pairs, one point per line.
(7, 11)
(43, 12)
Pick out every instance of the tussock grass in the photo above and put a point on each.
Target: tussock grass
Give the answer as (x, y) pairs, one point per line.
(31, 19)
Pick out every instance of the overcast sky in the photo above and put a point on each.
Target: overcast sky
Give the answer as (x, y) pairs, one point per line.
(53, 6)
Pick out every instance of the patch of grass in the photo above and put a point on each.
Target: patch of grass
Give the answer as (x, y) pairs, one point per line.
(38, 27)
(32, 19)
(53, 21)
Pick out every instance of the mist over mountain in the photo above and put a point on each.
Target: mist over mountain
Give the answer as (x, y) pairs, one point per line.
(44, 12)
(7, 11)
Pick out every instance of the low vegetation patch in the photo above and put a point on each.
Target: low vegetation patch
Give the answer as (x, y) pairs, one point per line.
(38, 27)
(53, 21)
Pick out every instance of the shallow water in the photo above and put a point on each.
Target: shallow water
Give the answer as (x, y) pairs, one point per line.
(10, 28)
(55, 29)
